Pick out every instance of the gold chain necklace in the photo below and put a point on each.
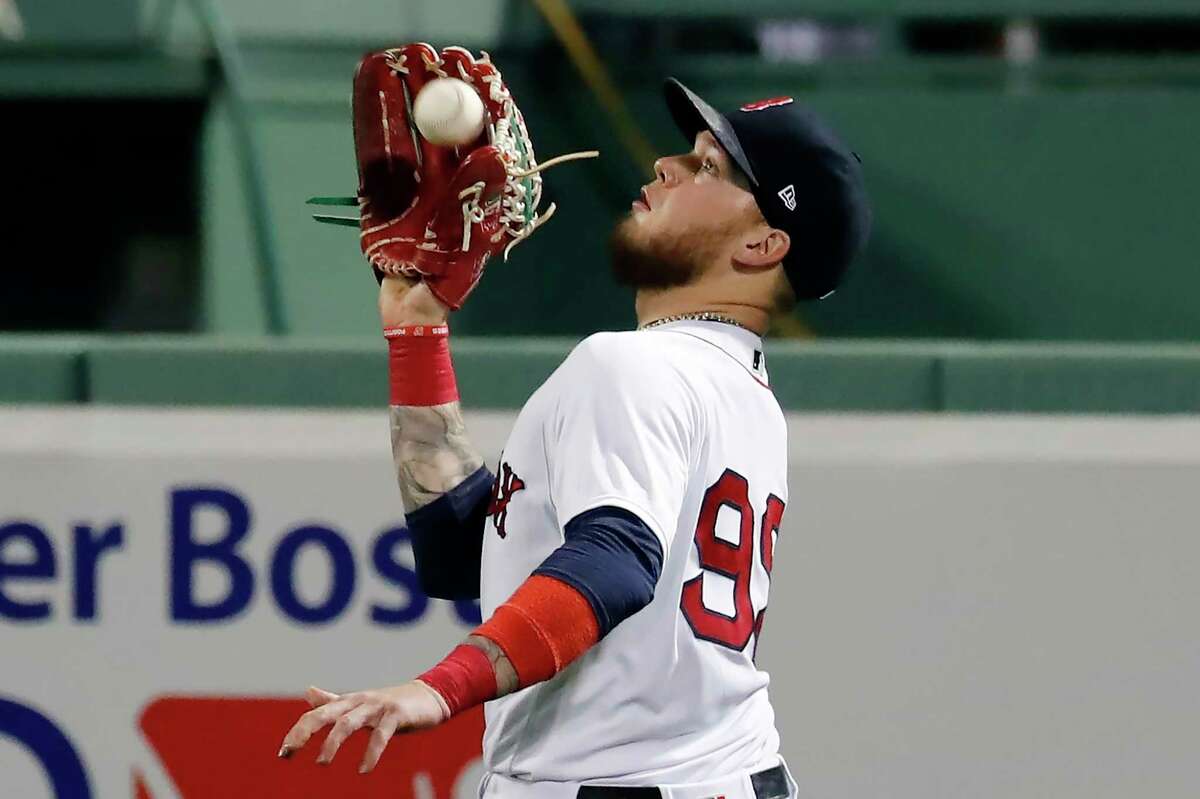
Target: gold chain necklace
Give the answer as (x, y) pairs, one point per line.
(699, 316)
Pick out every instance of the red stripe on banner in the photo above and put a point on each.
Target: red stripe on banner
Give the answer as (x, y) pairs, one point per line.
(140, 791)
(227, 747)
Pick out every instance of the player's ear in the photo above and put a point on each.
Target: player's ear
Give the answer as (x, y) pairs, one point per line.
(761, 248)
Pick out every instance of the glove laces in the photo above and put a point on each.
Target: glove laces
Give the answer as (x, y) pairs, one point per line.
(522, 192)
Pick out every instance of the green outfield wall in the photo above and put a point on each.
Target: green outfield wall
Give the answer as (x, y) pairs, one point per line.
(502, 373)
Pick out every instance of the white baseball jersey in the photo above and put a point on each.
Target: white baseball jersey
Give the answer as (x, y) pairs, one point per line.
(677, 425)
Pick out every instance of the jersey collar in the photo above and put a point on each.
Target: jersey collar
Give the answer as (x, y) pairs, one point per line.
(742, 345)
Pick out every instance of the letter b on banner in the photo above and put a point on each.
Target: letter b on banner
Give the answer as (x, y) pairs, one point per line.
(186, 552)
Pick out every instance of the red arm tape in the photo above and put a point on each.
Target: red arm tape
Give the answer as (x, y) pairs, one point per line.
(542, 629)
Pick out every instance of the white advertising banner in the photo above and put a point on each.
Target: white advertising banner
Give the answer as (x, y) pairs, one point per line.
(960, 606)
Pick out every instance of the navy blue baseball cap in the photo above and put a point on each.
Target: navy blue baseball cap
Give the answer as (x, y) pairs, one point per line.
(807, 183)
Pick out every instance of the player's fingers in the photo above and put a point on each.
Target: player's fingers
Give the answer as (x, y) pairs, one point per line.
(317, 696)
(312, 721)
(383, 733)
(344, 728)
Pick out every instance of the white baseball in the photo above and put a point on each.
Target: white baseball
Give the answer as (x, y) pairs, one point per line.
(448, 112)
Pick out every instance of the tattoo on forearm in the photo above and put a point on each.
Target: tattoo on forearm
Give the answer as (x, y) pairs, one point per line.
(506, 675)
(431, 451)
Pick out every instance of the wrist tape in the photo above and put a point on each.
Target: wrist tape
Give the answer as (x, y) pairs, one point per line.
(465, 678)
(420, 371)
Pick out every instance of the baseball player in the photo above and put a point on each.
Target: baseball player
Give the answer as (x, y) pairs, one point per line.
(622, 549)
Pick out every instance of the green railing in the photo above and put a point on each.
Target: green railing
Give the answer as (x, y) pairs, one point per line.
(501, 373)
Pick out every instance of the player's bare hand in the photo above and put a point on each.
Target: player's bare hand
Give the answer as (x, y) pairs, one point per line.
(411, 706)
(408, 301)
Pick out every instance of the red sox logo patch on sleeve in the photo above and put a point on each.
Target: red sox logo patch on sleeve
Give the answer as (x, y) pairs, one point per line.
(770, 102)
(505, 485)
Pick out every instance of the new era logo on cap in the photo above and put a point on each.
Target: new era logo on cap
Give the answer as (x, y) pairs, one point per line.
(788, 195)
(770, 102)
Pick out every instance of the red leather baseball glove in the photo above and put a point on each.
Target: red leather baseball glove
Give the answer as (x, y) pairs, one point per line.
(440, 213)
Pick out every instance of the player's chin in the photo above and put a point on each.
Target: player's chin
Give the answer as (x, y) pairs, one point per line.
(633, 238)
(625, 231)
(629, 222)
(641, 261)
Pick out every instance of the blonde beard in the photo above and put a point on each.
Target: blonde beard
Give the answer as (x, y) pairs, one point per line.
(664, 262)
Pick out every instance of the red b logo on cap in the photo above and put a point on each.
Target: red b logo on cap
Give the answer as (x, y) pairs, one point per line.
(768, 103)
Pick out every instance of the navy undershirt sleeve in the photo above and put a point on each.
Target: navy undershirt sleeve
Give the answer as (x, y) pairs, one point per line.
(447, 538)
(611, 557)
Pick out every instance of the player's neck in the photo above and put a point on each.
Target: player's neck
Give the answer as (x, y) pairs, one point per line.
(652, 305)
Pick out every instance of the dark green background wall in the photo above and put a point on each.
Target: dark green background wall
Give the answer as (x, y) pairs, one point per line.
(1036, 205)
(1055, 200)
